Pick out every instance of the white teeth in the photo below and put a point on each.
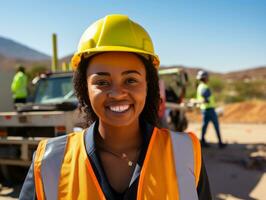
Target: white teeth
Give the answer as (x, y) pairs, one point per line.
(119, 108)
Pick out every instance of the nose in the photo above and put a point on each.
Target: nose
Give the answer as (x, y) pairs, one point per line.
(117, 92)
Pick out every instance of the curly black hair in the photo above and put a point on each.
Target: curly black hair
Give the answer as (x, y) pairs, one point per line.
(150, 110)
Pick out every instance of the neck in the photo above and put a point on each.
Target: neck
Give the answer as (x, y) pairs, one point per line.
(121, 139)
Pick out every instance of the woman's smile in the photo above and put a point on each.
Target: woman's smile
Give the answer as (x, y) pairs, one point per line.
(119, 108)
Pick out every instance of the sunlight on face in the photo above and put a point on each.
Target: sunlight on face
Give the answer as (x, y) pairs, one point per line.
(117, 87)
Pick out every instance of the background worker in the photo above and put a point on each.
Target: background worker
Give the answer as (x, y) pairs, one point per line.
(19, 86)
(121, 154)
(207, 106)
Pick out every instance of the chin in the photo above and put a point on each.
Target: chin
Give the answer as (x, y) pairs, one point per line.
(120, 123)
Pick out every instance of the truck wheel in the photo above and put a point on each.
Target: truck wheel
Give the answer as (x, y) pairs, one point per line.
(184, 123)
(179, 121)
(12, 175)
(181, 124)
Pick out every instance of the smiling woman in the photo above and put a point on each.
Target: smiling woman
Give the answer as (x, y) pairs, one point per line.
(122, 153)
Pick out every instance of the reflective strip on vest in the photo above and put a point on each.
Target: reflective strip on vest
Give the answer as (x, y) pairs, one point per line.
(47, 170)
(184, 153)
(51, 166)
(63, 171)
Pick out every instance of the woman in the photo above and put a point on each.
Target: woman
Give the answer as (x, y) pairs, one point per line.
(122, 154)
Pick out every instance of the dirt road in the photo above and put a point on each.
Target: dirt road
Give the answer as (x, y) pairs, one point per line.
(237, 172)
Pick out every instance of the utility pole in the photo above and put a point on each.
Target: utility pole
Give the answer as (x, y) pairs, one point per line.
(54, 59)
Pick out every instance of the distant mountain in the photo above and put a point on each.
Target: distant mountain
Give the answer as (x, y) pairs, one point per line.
(15, 50)
(9, 64)
(13, 53)
(256, 73)
(65, 59)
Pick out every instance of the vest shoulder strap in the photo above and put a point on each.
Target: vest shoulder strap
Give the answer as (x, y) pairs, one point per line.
(189, 145)
(47, 166)
(37, 169)
(197, 155)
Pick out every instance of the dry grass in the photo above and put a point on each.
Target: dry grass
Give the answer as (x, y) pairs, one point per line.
(243, 112)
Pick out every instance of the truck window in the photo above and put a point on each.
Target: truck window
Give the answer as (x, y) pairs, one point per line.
(55, 90)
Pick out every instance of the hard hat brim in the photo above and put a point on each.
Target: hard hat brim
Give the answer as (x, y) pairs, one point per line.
(88, 53)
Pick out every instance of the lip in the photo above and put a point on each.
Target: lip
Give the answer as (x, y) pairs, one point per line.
(118, 103)
(120, 112)
(108, 106)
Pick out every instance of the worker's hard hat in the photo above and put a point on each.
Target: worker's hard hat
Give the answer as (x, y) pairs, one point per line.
(202, 74)
(115, 33)
(20, 68)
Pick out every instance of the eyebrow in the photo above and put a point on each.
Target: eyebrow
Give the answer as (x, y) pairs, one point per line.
(123, 73)
(103, 73)
(131, 71)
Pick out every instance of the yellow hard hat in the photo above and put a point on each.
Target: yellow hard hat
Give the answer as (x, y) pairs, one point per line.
(115, 33)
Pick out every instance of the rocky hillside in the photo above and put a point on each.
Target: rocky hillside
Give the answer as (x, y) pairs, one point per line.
(12, 49)
(256, 73)
(9, 64)
(13, 53)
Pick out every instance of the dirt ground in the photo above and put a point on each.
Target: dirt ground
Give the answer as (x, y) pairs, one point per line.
(242, 112)
(238, 171)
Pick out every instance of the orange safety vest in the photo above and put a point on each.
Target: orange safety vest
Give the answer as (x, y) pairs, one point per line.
(171, 168)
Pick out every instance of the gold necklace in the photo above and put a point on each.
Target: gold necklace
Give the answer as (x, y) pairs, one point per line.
(122, 156)
(100, 145)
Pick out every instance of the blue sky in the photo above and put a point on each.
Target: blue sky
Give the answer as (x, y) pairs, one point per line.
(218, 35)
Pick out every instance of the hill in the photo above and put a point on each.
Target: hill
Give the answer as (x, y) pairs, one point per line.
(8, 64)
(13, 53)
(256, 73)
(12, 49)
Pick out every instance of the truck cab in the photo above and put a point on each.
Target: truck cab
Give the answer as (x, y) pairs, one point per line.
(173, 83)
(52, 111)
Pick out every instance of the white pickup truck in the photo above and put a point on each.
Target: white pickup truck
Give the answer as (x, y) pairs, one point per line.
(51, 112)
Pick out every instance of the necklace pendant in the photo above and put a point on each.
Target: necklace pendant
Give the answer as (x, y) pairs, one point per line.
(124, 155)
(130, 163)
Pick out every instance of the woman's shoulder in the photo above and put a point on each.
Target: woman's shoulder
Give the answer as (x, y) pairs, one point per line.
(59, 141)
(168, 131)
(51, 148)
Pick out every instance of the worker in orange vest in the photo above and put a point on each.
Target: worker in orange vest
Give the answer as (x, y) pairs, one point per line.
(121, 154)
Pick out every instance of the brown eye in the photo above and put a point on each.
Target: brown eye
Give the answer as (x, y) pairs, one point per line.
(131, 81)
(102, 83)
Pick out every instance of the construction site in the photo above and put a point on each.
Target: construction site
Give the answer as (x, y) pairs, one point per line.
(233, 148)
(236, 172)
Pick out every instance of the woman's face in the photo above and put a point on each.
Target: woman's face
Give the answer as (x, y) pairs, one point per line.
(117, 87)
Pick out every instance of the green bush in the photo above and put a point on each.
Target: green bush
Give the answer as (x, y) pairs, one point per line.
(226, 91)
(35, 71)
(191, 89)
(216, 84)
(252, 89)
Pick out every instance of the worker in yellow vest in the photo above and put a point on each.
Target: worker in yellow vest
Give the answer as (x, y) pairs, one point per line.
(121, 154)
(19, 86)
(207, 106)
